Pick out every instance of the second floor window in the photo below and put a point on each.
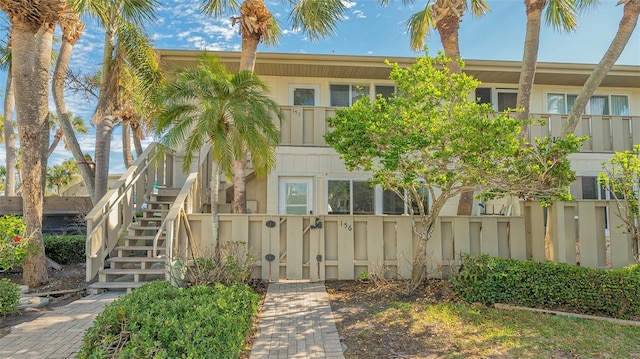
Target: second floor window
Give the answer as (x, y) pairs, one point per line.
(616, 105)
(346, 95)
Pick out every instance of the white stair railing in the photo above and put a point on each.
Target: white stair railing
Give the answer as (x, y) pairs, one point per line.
(113, 214)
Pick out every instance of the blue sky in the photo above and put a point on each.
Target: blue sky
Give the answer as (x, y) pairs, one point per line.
(367, 29)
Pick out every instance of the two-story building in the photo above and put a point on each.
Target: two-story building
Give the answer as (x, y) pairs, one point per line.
(310, 178)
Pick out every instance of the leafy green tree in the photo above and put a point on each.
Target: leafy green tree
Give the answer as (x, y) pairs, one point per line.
(620, 178)
(432, 140)
(232, 112)
(316, 18)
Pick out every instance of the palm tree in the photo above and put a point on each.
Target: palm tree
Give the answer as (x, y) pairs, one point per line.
(317, 18)
(72, 28)
(625, 29)
(60, 176)
(561, 15)
(231, 112)
(126, 45)
(444, 16)
(32, 27)
(78, 126)
(9, 134)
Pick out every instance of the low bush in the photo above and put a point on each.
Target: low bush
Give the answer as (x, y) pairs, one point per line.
(161, 321)
(65, 249)
(550, 285)
(14, 247)
(9, 297)
(233, 265)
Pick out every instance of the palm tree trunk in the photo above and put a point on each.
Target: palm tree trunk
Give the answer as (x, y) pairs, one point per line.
(126, 144)
(10, 137)
(57, 89)
(102, 154)
(137, 143)
(239, 185)
(31, 60)
(448, 30)
(247, 62)
(625, 29)
(54, 143)
(215, 215)
(529, 60)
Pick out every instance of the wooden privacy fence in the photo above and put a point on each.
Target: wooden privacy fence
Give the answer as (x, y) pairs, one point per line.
(342, 247)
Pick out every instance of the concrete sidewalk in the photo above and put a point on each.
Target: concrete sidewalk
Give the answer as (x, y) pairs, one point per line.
(56, 334)
(296, 322)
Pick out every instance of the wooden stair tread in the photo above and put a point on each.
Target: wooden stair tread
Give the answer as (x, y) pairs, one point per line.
(135, 259)
(123, 271)
(146, 238)
(116, 285)
(136, 248)
(144, 228)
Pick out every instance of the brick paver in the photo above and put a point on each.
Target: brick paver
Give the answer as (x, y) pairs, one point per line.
(296, 322)
(56, 334)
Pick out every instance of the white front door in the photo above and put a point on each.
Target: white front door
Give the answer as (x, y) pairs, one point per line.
(295, 195)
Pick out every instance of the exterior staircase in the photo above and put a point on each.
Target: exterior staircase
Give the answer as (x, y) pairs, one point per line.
(132, 262)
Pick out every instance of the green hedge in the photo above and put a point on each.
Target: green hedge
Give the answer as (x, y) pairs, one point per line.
(65, 249)
(9, 297)
(550, 285)
(160, 321)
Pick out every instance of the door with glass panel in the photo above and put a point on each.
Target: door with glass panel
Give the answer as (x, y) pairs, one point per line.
(296, 196)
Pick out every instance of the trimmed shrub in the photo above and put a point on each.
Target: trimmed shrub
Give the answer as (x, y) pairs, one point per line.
(65, 249)
(550, 285)
(161, 321)
(9, 297)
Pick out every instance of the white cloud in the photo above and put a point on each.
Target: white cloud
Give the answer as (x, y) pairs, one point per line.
(348, 4)
(182, 35)
(359, 14)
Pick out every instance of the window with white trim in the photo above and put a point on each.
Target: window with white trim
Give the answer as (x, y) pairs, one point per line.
(501, 99)
(616, 105)
(304, 95)
(350, 197)
(346, 95)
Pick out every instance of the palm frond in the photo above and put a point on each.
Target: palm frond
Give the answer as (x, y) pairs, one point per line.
(479, 8)
(317, 18)
(420, 25)
(218, 8)
(562, 15)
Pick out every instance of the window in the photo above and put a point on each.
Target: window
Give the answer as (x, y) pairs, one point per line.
(349, 197)
(346, 95)
(501, 100)
(507, 99)
(304, 95)
(295, 196)
(616, 105)
(386, 91)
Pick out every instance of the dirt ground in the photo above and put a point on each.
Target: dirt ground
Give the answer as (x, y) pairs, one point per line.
(354, 305)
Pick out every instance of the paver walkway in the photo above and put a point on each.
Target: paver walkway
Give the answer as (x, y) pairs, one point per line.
(296, 322)
(56, 334)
